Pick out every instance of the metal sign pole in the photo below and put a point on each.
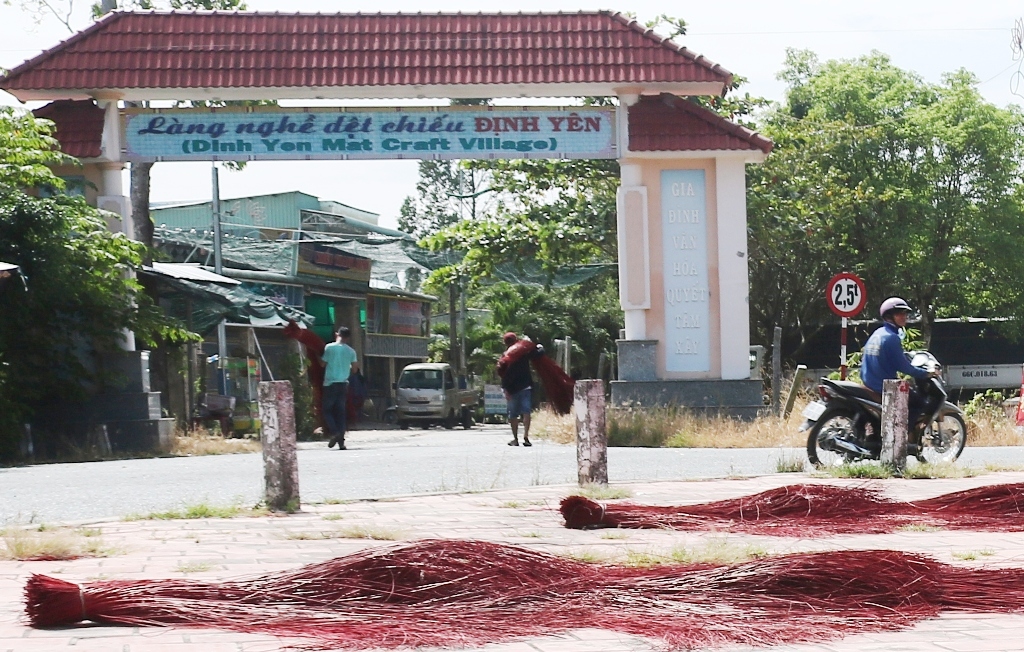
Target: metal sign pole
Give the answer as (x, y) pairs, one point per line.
(218, 267)
(842, 352)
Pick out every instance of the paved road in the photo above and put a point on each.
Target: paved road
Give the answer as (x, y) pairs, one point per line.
(378, 464)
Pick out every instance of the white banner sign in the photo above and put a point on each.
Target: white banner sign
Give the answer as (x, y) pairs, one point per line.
(304, 134)
(685, 248)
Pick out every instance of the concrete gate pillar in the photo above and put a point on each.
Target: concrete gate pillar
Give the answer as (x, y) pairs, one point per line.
(682, 234)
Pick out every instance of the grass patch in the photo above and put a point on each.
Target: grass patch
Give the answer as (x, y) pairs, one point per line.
(586, 556)
(918, 527)
(718, 551)
(858, 470)
(332, 517)
(311, 536)
(46, 543)
(199, 510)
(531, 535)
(788, 464)
(874, 470)
(604, 492)
(369, 532)
(613, 534)
(939, 470)
(512, 504)
(971, 555)
(338, 501)
(194, 567)
(995, 467)
(203, 442)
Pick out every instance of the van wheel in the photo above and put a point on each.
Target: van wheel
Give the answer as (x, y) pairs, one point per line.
(450, 420)
(467, 418)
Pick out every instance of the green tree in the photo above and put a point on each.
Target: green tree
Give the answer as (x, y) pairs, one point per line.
(560, 213)
(909, 184)
(447, 193)
(79, 297)
(589, 313)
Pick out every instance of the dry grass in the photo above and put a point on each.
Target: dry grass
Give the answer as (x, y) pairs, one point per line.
(716, 551)
(203, 442)
(713, 551)
(993, 430)
(370, 532)
(680, 428)
(603, 492)
(52, 544)
(558, 428)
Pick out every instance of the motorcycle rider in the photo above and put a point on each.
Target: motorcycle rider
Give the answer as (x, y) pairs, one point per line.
(884, 357)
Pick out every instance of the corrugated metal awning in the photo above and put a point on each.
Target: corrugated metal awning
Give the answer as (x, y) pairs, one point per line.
(192, 272)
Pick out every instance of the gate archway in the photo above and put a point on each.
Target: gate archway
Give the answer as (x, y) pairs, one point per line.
(681, 208)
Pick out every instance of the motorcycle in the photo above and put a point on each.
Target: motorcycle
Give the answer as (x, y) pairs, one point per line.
(845, 423)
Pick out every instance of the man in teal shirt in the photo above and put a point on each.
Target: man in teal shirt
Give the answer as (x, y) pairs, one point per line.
(339, 360)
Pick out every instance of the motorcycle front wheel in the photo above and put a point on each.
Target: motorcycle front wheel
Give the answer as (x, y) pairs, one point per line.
(943, 440)
(834, 423)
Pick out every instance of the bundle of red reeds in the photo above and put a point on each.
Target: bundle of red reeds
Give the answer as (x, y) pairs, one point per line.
(445, 593)
(812, 510)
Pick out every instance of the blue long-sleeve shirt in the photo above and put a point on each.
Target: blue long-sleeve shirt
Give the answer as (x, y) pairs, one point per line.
(883, 357)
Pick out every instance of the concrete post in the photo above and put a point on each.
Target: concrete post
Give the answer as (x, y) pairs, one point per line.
(776, 369)
(794, 389)
(280, 464)
(591, 436)
(895, 402)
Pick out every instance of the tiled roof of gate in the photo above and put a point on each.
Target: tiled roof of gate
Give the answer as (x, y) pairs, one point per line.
(271, 50)
(665, 123)
(79, 126)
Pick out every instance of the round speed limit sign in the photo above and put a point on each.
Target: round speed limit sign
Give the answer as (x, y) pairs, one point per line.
(845, 294)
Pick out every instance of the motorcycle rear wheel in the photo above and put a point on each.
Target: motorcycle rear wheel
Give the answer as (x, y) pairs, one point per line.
(943, 440)
(836, 422)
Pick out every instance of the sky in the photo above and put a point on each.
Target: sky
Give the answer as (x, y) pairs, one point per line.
(747, 37)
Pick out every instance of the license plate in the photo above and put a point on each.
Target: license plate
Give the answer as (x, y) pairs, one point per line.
(814, 410)
(419, 409)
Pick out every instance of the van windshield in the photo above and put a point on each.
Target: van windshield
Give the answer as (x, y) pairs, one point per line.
(420, 379)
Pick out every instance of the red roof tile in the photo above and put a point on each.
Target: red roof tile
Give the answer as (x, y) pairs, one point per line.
(79, 126)
(669, 123)
(211, 50)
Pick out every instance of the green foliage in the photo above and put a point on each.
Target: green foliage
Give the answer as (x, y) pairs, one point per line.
(448, 192)
(986, 404)
(561, 213)
(27, 147)
(589, 313)
(913, 186)
(80, 295)
(147, 5)
(483, 347)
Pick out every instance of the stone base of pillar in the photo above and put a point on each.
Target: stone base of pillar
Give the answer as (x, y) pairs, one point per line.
(637, 359)
(125, 406)
(734, 398)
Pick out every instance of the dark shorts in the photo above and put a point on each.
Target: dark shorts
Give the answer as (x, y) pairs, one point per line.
(520, 403)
